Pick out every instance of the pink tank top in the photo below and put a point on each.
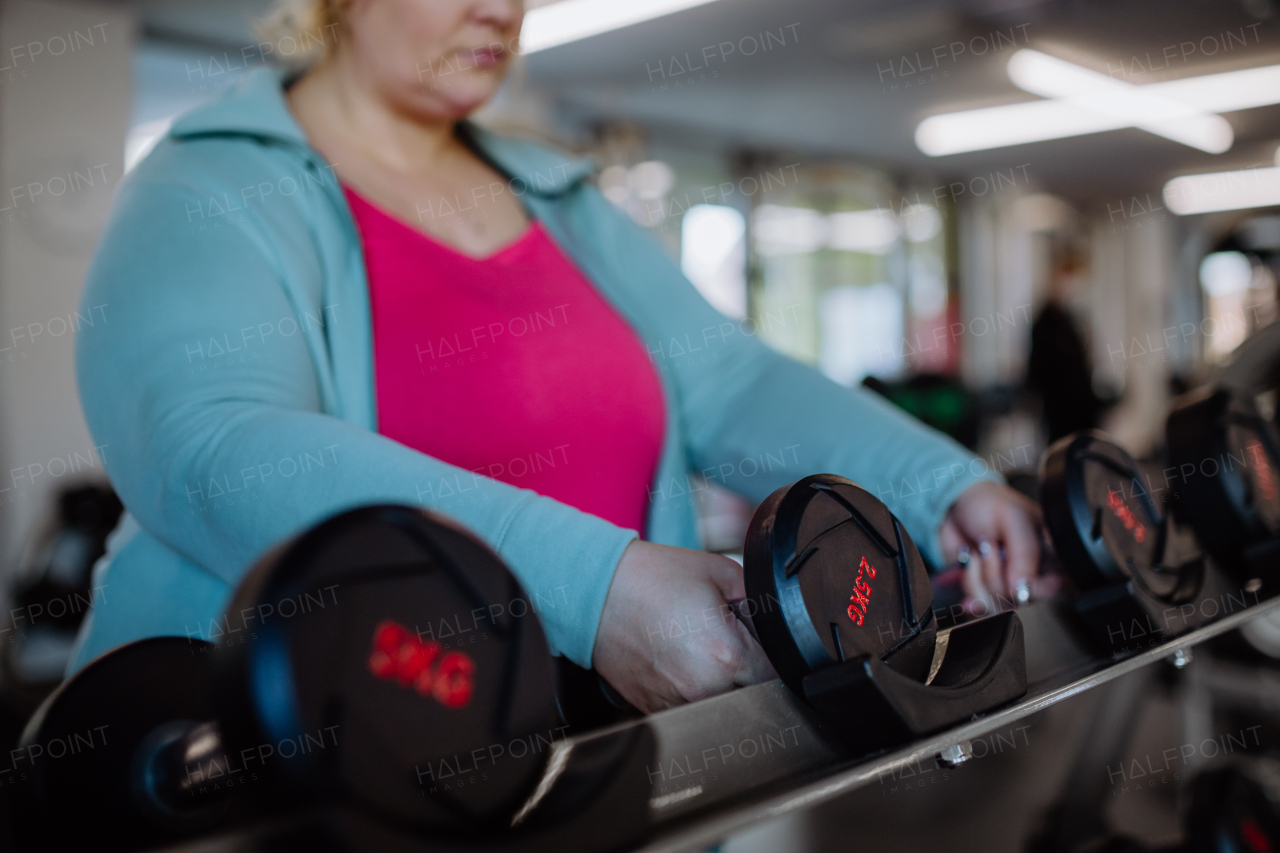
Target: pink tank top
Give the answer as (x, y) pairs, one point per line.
(512, 366)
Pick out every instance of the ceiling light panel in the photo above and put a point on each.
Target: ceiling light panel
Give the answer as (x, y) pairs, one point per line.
(1050, 77)
(570, 20)
(1236, 190)
(1081, 101)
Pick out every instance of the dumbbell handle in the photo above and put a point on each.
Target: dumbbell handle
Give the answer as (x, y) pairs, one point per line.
(178, 766)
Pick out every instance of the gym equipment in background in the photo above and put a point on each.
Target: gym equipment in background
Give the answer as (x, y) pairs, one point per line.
(1234, 807)
(1140, 578)
(51, 593)
(1224, 466)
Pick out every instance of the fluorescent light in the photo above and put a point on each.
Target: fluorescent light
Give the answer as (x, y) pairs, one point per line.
(1236, 190)
(1222, 93)
(1084, 101)
(569, 20)
(1051, 77)
(1015, 124)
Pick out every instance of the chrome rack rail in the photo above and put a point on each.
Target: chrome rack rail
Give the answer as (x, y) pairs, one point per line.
(727, 763)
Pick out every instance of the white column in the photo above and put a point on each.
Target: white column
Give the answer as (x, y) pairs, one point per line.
(64, 107)
(979, 294)
(1133, 267)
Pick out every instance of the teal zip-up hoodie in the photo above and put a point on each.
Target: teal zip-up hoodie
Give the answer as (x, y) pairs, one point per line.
(231, 385)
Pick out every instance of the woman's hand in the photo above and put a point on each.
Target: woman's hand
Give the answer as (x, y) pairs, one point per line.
(1000, 529)
(668, 636)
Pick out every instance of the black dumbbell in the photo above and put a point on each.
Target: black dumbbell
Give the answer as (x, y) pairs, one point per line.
(95, 749)
(1140, 577)
(1234, 807)
(832, 576)
(386, 663)
(1105, 525)
(840, 598)
(1224, 465)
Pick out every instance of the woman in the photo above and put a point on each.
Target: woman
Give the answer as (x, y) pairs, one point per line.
(344, 293)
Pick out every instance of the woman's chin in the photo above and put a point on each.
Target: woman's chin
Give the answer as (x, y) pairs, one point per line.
(454, 102)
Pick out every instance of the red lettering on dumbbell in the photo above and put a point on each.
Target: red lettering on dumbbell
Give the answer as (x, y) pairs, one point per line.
(387, 640)
(861, 597)
(400, 656)
(1126, 516)
(1254, 837)
(1262, 468)
(453, 681)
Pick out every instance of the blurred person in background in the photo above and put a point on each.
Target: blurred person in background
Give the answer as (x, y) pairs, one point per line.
(1059, 367)
(331, 289)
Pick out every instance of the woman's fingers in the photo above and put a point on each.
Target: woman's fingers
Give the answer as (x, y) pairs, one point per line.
(1046, 586)
(755, 666)
(668, 635)
(727, 576)
(992, 562)
(1002, 530)
(976, 582)
(1020, 532)
(952, 540)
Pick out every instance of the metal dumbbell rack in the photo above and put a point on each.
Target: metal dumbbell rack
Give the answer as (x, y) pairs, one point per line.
(725, 764)
(690, 810)
(852, 704)
(809, 771)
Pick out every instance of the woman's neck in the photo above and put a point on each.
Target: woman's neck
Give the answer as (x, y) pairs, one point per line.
(336, 103)
(400, 160)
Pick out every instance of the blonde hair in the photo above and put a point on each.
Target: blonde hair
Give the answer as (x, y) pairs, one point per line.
(302, 32)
